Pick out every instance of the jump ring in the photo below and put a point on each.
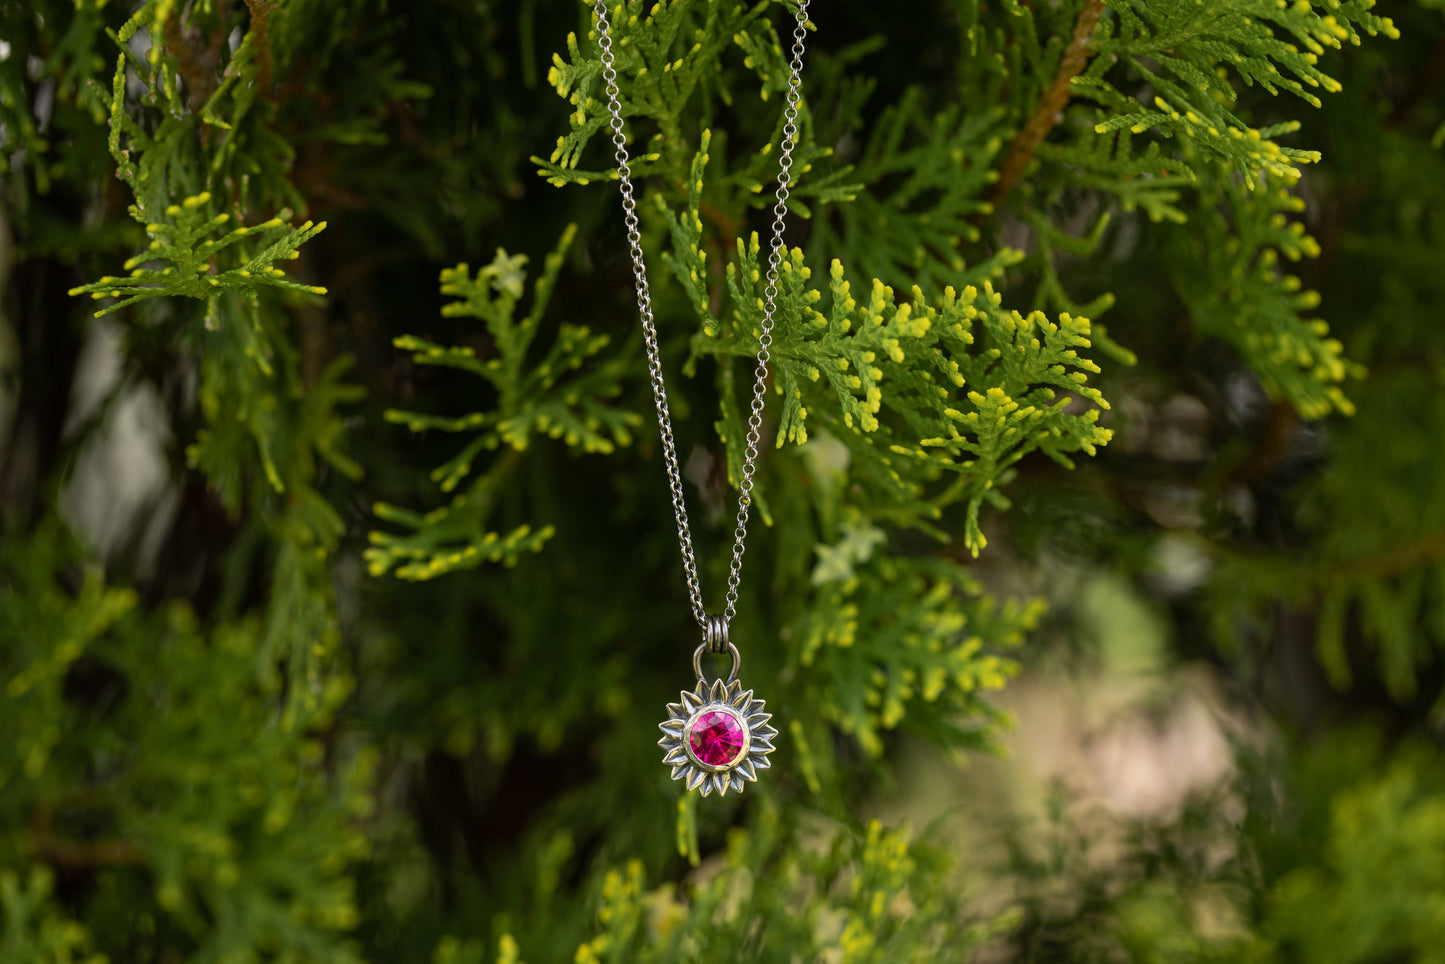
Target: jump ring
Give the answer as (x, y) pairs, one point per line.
(715, 632)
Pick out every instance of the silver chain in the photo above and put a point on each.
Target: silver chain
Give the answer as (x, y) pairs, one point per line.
(649, 330)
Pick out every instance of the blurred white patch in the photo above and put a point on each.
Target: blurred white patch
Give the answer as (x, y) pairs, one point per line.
(1245, 396)
(700, 470)
(1138, 751)
(1133, 421)
(1146, 766)
(120, 488)
(827, 458)
(1181, 563)
(1240, 502)
(1174, 505)
(1182, 434)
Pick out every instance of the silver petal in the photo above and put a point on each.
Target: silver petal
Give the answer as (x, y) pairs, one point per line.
(741, 700)
(679, 771)
(764, 733)
(719, 783)
(745, 770)
(677, 711)
(691, 702)
(718, 693)
(761, 745)
(695, 777)
(674, 756)
(700, 690)
(760, 762)
(668, 740)
(755, 720)
(673, 728)
(734, 688)
(736, 781)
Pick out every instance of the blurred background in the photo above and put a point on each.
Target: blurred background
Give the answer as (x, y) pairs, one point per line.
(244, 721)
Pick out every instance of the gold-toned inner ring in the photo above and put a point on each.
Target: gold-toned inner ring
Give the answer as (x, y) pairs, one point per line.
(743, 751)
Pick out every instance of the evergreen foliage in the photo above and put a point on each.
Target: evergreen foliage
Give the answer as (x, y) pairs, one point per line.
(530, 400)
(371, 670)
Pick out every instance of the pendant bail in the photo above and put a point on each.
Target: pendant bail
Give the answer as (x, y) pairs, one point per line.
(697, 662)
(715, 632)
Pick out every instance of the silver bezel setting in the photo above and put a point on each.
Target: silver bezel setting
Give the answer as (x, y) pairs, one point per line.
(692, 722)
(725, 697)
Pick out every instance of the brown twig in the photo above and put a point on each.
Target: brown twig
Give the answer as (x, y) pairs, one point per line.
(1397, 560)
(261, 26)
(1274, 443)
(193, 61)
(1051, 104)
(84, 853)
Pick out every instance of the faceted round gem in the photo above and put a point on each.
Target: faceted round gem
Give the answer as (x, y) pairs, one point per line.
(716, 738)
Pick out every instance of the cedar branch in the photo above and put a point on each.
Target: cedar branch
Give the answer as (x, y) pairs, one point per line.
(1051, 104)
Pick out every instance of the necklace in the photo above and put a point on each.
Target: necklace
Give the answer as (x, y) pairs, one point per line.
(717, 737)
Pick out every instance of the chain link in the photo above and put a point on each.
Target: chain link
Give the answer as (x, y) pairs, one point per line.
(649, 329)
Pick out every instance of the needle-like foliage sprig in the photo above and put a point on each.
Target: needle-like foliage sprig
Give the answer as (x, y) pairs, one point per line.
(1177, 133)
(957, 384)
(190, 242)
(1185, 52)
(565, 394)
(189, 255)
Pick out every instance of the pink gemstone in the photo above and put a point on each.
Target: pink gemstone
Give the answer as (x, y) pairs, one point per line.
(715, 738)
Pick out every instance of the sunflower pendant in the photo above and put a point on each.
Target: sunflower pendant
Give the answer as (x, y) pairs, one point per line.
(717, 737)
